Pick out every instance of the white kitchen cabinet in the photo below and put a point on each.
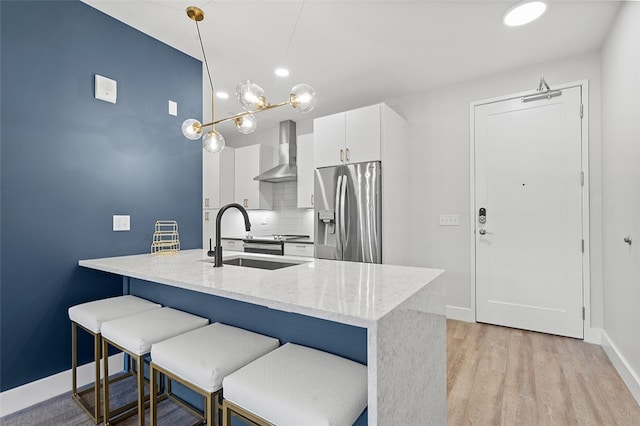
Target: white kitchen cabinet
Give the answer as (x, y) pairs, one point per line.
(348, 137)
(329, 140)
(217, 188)
(298, 249)
(217, 178)
(305, 171)
(250, 161)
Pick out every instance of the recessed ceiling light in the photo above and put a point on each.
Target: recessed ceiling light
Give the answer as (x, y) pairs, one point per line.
(524, 12)
(222, 95)
(282, 72)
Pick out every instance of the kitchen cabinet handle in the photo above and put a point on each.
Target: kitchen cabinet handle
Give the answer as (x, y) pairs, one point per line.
(347, 152)
(342, 155)
(206, 202)
(206, 216)
(311, 199)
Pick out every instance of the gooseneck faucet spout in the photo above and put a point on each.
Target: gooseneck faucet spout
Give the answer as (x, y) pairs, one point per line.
(247, 226)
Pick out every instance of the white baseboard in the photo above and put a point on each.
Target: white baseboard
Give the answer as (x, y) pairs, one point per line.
(629, 376)
(593, 335)
(40, 390)
(460, 314)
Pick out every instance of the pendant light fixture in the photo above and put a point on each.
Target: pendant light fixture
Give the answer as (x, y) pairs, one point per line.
(252, 98)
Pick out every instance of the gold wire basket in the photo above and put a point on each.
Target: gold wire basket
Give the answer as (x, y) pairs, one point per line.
(165, 237)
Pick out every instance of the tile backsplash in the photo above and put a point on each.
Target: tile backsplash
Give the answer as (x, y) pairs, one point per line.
(285, 218)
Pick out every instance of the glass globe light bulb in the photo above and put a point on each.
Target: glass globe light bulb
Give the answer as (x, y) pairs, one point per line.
(303, 97)
(251, 96)
(213, 142)
(192, 129)
(246, 124)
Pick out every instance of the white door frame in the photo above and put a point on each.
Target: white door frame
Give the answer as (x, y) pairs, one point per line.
(586, 281)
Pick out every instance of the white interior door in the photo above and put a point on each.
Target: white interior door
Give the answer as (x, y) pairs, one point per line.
(529, 252)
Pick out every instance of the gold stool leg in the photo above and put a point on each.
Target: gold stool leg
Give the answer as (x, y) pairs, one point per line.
(78, 396)
(210, 409)
(140, 380)
(74, 358)
(226, 419)
(153, 406)
(96, 385)
(105, 382)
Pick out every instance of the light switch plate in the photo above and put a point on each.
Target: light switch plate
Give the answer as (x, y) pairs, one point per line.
(449, 220)
(106, 89)
(173, 108)
(121, 222)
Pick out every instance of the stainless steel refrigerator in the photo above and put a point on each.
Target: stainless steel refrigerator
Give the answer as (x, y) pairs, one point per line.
(348, 210)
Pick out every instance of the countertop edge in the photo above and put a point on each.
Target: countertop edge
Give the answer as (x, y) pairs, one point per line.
(106, 265)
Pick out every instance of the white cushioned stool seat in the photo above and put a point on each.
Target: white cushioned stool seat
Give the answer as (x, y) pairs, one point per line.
(296, 385)
(206, 355)
(136, 333)
(91, 315)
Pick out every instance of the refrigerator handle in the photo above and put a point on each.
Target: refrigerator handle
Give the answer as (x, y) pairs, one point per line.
(343, 196)
(338, 217)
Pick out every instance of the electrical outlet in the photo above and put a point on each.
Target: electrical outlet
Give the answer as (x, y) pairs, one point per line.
(121, 222)
(449, 220)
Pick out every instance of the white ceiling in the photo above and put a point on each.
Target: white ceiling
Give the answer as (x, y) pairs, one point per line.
(356, 52)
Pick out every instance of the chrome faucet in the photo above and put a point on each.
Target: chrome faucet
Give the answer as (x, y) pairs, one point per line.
(218, 250)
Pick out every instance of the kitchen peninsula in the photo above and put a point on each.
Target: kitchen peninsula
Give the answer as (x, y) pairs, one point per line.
(391, 318)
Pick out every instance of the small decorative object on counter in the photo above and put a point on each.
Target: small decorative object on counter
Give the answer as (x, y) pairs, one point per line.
(165, 238)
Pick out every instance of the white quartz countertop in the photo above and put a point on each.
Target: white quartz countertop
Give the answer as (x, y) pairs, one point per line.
(348, 292)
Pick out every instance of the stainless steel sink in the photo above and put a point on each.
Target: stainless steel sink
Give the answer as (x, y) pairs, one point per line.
(260, 263)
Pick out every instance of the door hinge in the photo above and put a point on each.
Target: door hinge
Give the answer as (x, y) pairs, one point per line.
(581, 110)
(582, 178)
(583, 314)
(583, 245)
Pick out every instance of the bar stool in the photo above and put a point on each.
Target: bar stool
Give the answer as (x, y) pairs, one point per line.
(134, 335)
(296, 385)
(90, 316)
(200, 360)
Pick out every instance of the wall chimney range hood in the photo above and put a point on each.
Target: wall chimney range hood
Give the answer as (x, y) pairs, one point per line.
(286, 170)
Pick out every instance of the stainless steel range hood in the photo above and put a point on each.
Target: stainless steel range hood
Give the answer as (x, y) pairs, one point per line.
(286, 170)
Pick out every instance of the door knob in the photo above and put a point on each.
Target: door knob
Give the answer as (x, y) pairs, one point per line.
(628, 240)
(482, 231)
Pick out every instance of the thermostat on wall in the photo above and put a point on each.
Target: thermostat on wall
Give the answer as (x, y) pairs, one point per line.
(106, 89)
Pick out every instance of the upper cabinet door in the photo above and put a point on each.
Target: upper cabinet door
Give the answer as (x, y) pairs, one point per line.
(305, 171)
(217, 178)
(250, 161)
(348, 137)
(363, 134)
(329, 140)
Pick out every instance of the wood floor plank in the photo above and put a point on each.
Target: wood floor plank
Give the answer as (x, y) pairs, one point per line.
(519, 404)
(460, 389)
(582, 383)
(548, 380)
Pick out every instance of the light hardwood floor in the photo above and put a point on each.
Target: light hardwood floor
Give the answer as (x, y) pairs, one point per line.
(496, 376)
(504, 376)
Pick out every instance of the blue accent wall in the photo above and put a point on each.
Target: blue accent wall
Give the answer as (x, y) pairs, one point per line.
(69, 162)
